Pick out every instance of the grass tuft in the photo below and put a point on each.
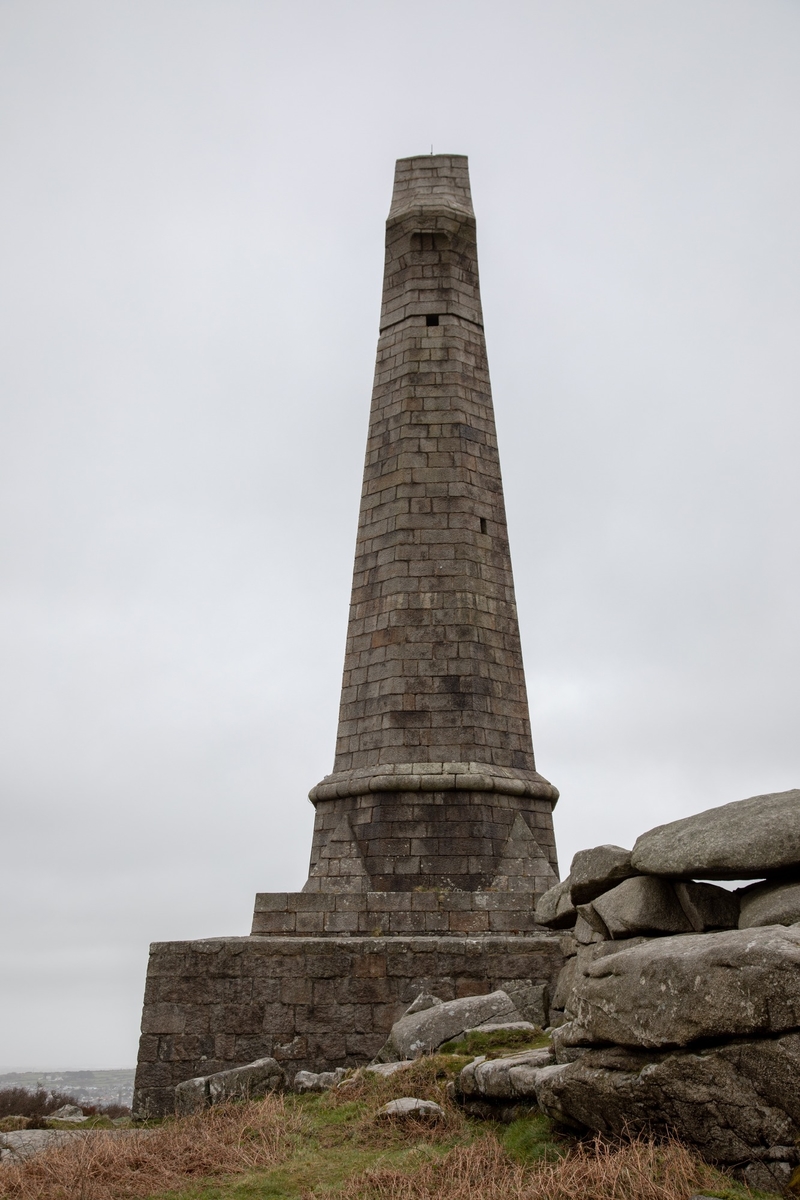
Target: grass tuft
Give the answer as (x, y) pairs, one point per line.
(137, 1163)
(641, 1170)
(508, 1041)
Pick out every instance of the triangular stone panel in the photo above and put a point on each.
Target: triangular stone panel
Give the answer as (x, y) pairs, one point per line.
(341, 865)
(523, 867)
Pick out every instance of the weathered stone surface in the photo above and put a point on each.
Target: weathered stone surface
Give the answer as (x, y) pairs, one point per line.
(240, 1083)
(532, 1000)
(588, 915)
(565, 985)
(770, 904)
(191, 1096)
(707, 906)
(410, 1106)
(422, 1032)
(555, 909)
(21, 1144)
(737, 1102)
(743, 840)
(245, 1083)
(317, 1081)
(673, 991)
(504, 1026)
(423, 1002)
(585, 933)
(355, 913)
(595, 871)
(510, 1077)
(523, 866)
(641, 905)
(387, 1069)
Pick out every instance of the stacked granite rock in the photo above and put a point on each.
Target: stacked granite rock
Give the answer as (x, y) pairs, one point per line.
(680, 1006)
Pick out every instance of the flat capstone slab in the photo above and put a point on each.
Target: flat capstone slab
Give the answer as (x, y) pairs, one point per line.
(743, 840)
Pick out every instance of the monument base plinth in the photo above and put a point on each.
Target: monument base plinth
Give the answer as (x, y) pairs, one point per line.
(313, 1003)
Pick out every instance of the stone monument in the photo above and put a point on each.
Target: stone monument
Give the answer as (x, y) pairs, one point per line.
(433, 836)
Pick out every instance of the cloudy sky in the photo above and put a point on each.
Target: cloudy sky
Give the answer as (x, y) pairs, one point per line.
(191, 220)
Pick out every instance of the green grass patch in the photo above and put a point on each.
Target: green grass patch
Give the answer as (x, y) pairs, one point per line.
(531, 1139)
(497, 1041)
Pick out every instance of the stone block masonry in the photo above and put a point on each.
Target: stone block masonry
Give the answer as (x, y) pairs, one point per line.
(312, 1003)
(377, 914)
(433, 835)
(433, 690)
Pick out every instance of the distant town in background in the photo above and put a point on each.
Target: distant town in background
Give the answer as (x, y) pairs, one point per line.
(88, 1087)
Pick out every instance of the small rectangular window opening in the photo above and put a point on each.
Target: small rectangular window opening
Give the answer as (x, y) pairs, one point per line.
(432, 319)
(484, 528)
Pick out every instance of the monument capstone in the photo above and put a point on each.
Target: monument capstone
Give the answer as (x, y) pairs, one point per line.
(433, 835)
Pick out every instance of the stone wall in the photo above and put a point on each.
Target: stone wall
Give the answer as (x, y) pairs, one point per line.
(374, 914)
(312, 1003)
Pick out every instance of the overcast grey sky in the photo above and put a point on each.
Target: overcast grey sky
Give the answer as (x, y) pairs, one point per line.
(191, 220)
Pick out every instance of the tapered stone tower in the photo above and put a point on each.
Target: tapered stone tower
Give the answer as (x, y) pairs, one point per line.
(433, 836)
(434, 783)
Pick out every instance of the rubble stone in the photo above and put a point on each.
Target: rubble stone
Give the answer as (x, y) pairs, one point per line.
(240, 1083)
(410, 1106)
(511, 1077)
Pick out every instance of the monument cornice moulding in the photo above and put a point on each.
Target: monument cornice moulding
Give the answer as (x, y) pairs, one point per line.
(434, 777)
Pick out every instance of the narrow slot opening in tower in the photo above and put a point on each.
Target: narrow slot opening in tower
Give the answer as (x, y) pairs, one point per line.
(432, 319)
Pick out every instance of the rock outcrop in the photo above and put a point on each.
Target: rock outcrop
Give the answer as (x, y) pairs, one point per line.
(595, 871)
(738, 1103)
(674, 991)
(769, 904)
(680, 1008)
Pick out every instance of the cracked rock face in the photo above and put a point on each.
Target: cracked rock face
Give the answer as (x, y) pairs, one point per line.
(737, 1102)
(511, 1077)
(673, 991)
